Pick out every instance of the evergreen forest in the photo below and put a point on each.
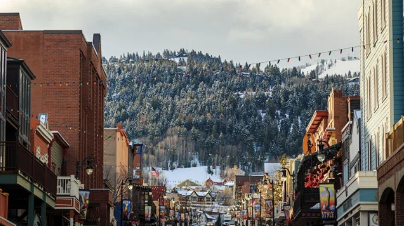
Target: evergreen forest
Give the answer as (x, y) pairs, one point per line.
(186, 104)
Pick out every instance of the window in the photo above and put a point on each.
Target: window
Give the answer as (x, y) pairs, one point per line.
(385, 74)
(345, 176)
(374, 21)
(383, 13)
(383, 61)
(367, 36)
(377, 153)
(375, 88)
(368, 98)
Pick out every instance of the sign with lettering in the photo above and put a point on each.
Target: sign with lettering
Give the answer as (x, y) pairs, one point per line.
(327, 201)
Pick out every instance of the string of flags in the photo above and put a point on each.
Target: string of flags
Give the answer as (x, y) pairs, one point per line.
(258, 64)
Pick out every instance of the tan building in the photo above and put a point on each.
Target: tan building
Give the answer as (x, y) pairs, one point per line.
(116, 152)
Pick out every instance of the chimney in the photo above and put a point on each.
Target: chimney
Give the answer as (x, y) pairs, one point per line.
(10, 21)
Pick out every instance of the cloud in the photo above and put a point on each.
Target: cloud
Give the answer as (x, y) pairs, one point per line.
(242, 30)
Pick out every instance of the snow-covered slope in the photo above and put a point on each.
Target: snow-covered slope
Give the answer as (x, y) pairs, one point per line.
(340, 67)
(197, 174)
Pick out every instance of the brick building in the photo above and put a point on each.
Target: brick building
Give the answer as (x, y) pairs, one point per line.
(70, 87)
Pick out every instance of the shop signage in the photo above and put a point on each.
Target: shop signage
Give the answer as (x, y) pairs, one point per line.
(147, 213)
(327, 201)
(84, 198)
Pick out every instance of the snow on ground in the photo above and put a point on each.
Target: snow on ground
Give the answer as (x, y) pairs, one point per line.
(196, 174)
(341, 67)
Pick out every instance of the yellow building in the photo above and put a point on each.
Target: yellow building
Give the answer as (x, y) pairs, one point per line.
(116, 152)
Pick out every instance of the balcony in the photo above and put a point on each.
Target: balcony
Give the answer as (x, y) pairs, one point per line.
(395, 138)
(12, 103)
(305, 203)
(279, 213)
(68, 186)
(15, 159)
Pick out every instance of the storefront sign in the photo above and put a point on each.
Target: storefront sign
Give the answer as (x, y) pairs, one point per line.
(84, 202)
(147, 213)
(373, 219)
(257, 210)
(327, 201)
(126, 208)
(268, 206)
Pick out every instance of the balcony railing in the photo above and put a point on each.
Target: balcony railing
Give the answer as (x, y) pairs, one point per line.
(68, 186)
(279, 213)
(16, 158)
(395, 138)
(12, 103)
(306, 201)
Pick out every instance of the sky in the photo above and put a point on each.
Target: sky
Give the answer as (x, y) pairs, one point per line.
(239, 30)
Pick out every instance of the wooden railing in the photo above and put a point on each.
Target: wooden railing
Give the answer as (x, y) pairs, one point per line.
(12, 102)
(19, 159)
(279, 210)
(68, 186)
(395, 138)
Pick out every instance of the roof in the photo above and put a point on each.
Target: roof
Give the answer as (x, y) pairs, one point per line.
(187, 183)
(257, 174)
(240, 180)
(21, 62)
(61, 138)
(4, 39)
(271, 168)
(315, 120)
(229, 183)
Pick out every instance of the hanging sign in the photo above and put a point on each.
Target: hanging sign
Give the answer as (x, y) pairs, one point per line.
(327, 201)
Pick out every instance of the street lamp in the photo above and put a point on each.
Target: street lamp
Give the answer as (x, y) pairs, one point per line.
(321, 155)
(88, 162)
(130, 186)
(273, 199)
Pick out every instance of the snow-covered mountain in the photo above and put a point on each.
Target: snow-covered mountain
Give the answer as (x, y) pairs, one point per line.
(333, 66)
(197, 174)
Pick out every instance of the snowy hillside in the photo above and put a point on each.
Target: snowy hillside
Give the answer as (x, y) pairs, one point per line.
(332, 67)
(197, 174)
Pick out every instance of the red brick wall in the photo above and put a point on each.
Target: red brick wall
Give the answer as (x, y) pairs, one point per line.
(10, 21)
(65, 57)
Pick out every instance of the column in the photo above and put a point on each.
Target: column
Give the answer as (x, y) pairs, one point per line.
(31, 210)
(364, 218)
(43, 212)
(71, 218)
(354, 221)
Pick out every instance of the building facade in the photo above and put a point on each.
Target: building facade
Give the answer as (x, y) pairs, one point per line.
(116, 164)
(70, 87)
(382, 102)
(357, 198)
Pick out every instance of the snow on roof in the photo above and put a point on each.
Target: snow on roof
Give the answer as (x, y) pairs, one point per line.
(271, 168)
(229, 183)
(202, 194)
(197, 174)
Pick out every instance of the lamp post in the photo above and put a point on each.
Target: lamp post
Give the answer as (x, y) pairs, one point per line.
(88, 162)
(130, 186)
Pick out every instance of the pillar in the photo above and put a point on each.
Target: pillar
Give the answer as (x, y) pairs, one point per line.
(354, 223)
(364, 218)
(71, 218)
(399, 204)
(43, 213)
(31, 210)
